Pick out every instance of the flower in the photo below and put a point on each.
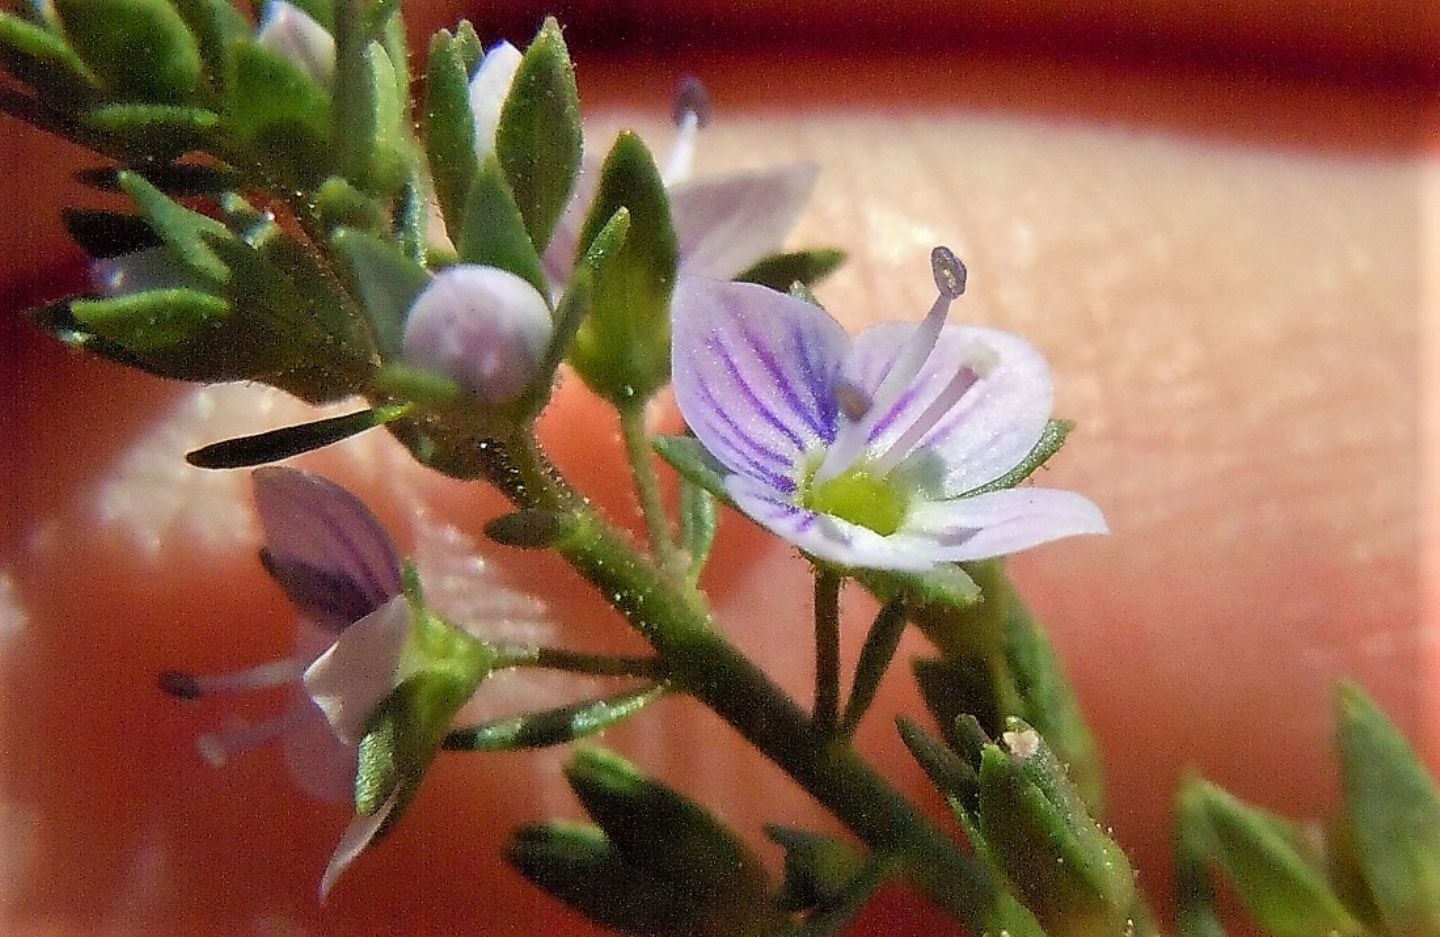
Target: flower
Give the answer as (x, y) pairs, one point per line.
(354, 646)
(295, 36)
(484, 328)
(865, 453)
(723, 224)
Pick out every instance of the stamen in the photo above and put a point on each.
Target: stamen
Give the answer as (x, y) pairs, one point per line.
(979, 362)
(854, 400)
(219, 747)
(692, 112)
(853, 437)
(189, 686)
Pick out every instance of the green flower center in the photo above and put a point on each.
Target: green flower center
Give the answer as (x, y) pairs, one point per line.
(860, 497)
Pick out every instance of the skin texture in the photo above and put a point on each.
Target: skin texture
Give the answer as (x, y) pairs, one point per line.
(1227, 277)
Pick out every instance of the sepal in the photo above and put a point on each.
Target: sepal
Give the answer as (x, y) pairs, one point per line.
(449, 128)
(818, 868)
(781, 271)
(553, 726)
(276, 110)
(141, 50)
(290, 441)
(388, 283)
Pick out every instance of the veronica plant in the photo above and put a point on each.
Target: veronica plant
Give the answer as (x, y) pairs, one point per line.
(297, 219)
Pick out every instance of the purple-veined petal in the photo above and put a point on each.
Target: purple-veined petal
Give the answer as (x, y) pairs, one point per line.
(484, 328)
(488, 90)
(827, 537)
(350, 680)
(314, 523)
(295, 36)
(754, 372)
(1001, 522)
(992, 427)
(726, 223)
(357, 836)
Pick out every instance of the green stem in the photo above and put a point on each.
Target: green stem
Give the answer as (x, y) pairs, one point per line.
(600, 665)
(647, 488)
(827, 650)
(673, 617)
(875, 657)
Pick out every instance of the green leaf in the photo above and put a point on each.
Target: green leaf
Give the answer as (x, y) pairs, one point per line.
(817, 867)
(666, 834)
(553, 726)
(1051, 439)
(388, 283)
(578, 865)
(159, 131)
(1279, 886)
(528, 529)
(187, 233)
(494, 233)
(389, 141)
(1393, 810)
(278, 444)
(1195, 911)
(152, 321)
(688, 456)
(698, 524)
(623, 348)
(341, 205)
(538, 139)
(275, 109)
(216, 25)
(780, 271)
(450, 129)
(875, 656)
(141, 50)
(953, 777)
(43, 59)
(467, 44)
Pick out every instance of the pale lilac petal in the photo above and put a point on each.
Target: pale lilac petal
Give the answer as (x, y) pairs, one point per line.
(291, 33)
(319, 763)
(726, 223)
(484, 328)
(992, 428)
(1001, 522)
(828, 537)
(753, 372)
(561, 253)
(357, 836)
(488, 91)
(315, 524)
(154, 268)
(350, 680)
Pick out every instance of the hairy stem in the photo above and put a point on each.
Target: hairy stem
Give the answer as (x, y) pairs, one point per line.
(827, 650)
(647, 488)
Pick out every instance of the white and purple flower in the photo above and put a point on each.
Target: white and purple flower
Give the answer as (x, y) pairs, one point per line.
(865, 452)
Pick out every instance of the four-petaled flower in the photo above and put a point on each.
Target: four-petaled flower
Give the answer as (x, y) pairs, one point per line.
(864, 453)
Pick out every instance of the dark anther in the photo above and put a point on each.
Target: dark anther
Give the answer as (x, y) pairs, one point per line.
(949, 272)
(181, 684)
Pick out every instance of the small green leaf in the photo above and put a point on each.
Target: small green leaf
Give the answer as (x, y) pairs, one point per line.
(43, 59)
(388, 283)
(527, 529)
(688, 456)
(160, 131)
(1393, 810)
(578, 865)
(538, 139)
(952, 776)
(216, 25)
(467, 44)
(344, 206)
(623, 348)
(141, 50)
(1279, 886)
(698, 523)
(1051, 439)
(274, 108)
(449, 129)
(494, 233)
(278, 444)
(152, 321)
(780, 271)
(382, 167)
(1195, 911)
(187, 233)
(553, 726)
(875, 656)
(817, 867)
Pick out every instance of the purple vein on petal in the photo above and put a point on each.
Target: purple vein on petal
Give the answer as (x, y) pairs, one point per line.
(821, 386)
(727, 358)
(782, 380)
(758, 448)
(748, 465)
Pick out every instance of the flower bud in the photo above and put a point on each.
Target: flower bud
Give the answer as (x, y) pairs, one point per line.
(488, 90)
(484, 328)
(295, 36)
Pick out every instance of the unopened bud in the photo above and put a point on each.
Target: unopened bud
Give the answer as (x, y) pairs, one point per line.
(295, 36)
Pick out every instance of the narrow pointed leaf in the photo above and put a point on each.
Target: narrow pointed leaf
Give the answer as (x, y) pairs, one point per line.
(467, 44)
(1195, 910)
(262, 448)
(216, 25)
(875, 656)
(528, 529)
(187, 233)
(388, 282)
(698, 524)
(276, 109)
(160, 131)
(779, 271)
(952, 776)
(538, 140)
(554, 726)
(140, 49)
(687, 456)
(1394, 816)
(449, 129)
(623, 348)
(153, 321)
(177, 180)
(43, 58)
(493, 233)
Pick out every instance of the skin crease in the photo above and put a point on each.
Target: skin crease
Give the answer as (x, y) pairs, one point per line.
(1225, 276)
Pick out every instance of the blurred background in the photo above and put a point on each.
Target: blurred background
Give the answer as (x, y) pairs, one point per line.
(1209, 215)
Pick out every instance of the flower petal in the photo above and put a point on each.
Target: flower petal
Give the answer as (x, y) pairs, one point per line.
(350, 680)
(561, 253)
(488, 91)
(754, 374)
(357, 836)
(726, 223)
(988, 432)
(295, 36)
(319, 763)
(314, 523)
(1001, 522)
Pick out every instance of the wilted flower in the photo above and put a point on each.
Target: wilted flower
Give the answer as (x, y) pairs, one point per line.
(484, 328)
(294, 35)
(865, 452)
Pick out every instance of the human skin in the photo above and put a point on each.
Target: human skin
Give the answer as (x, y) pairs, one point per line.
(1226, 278)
